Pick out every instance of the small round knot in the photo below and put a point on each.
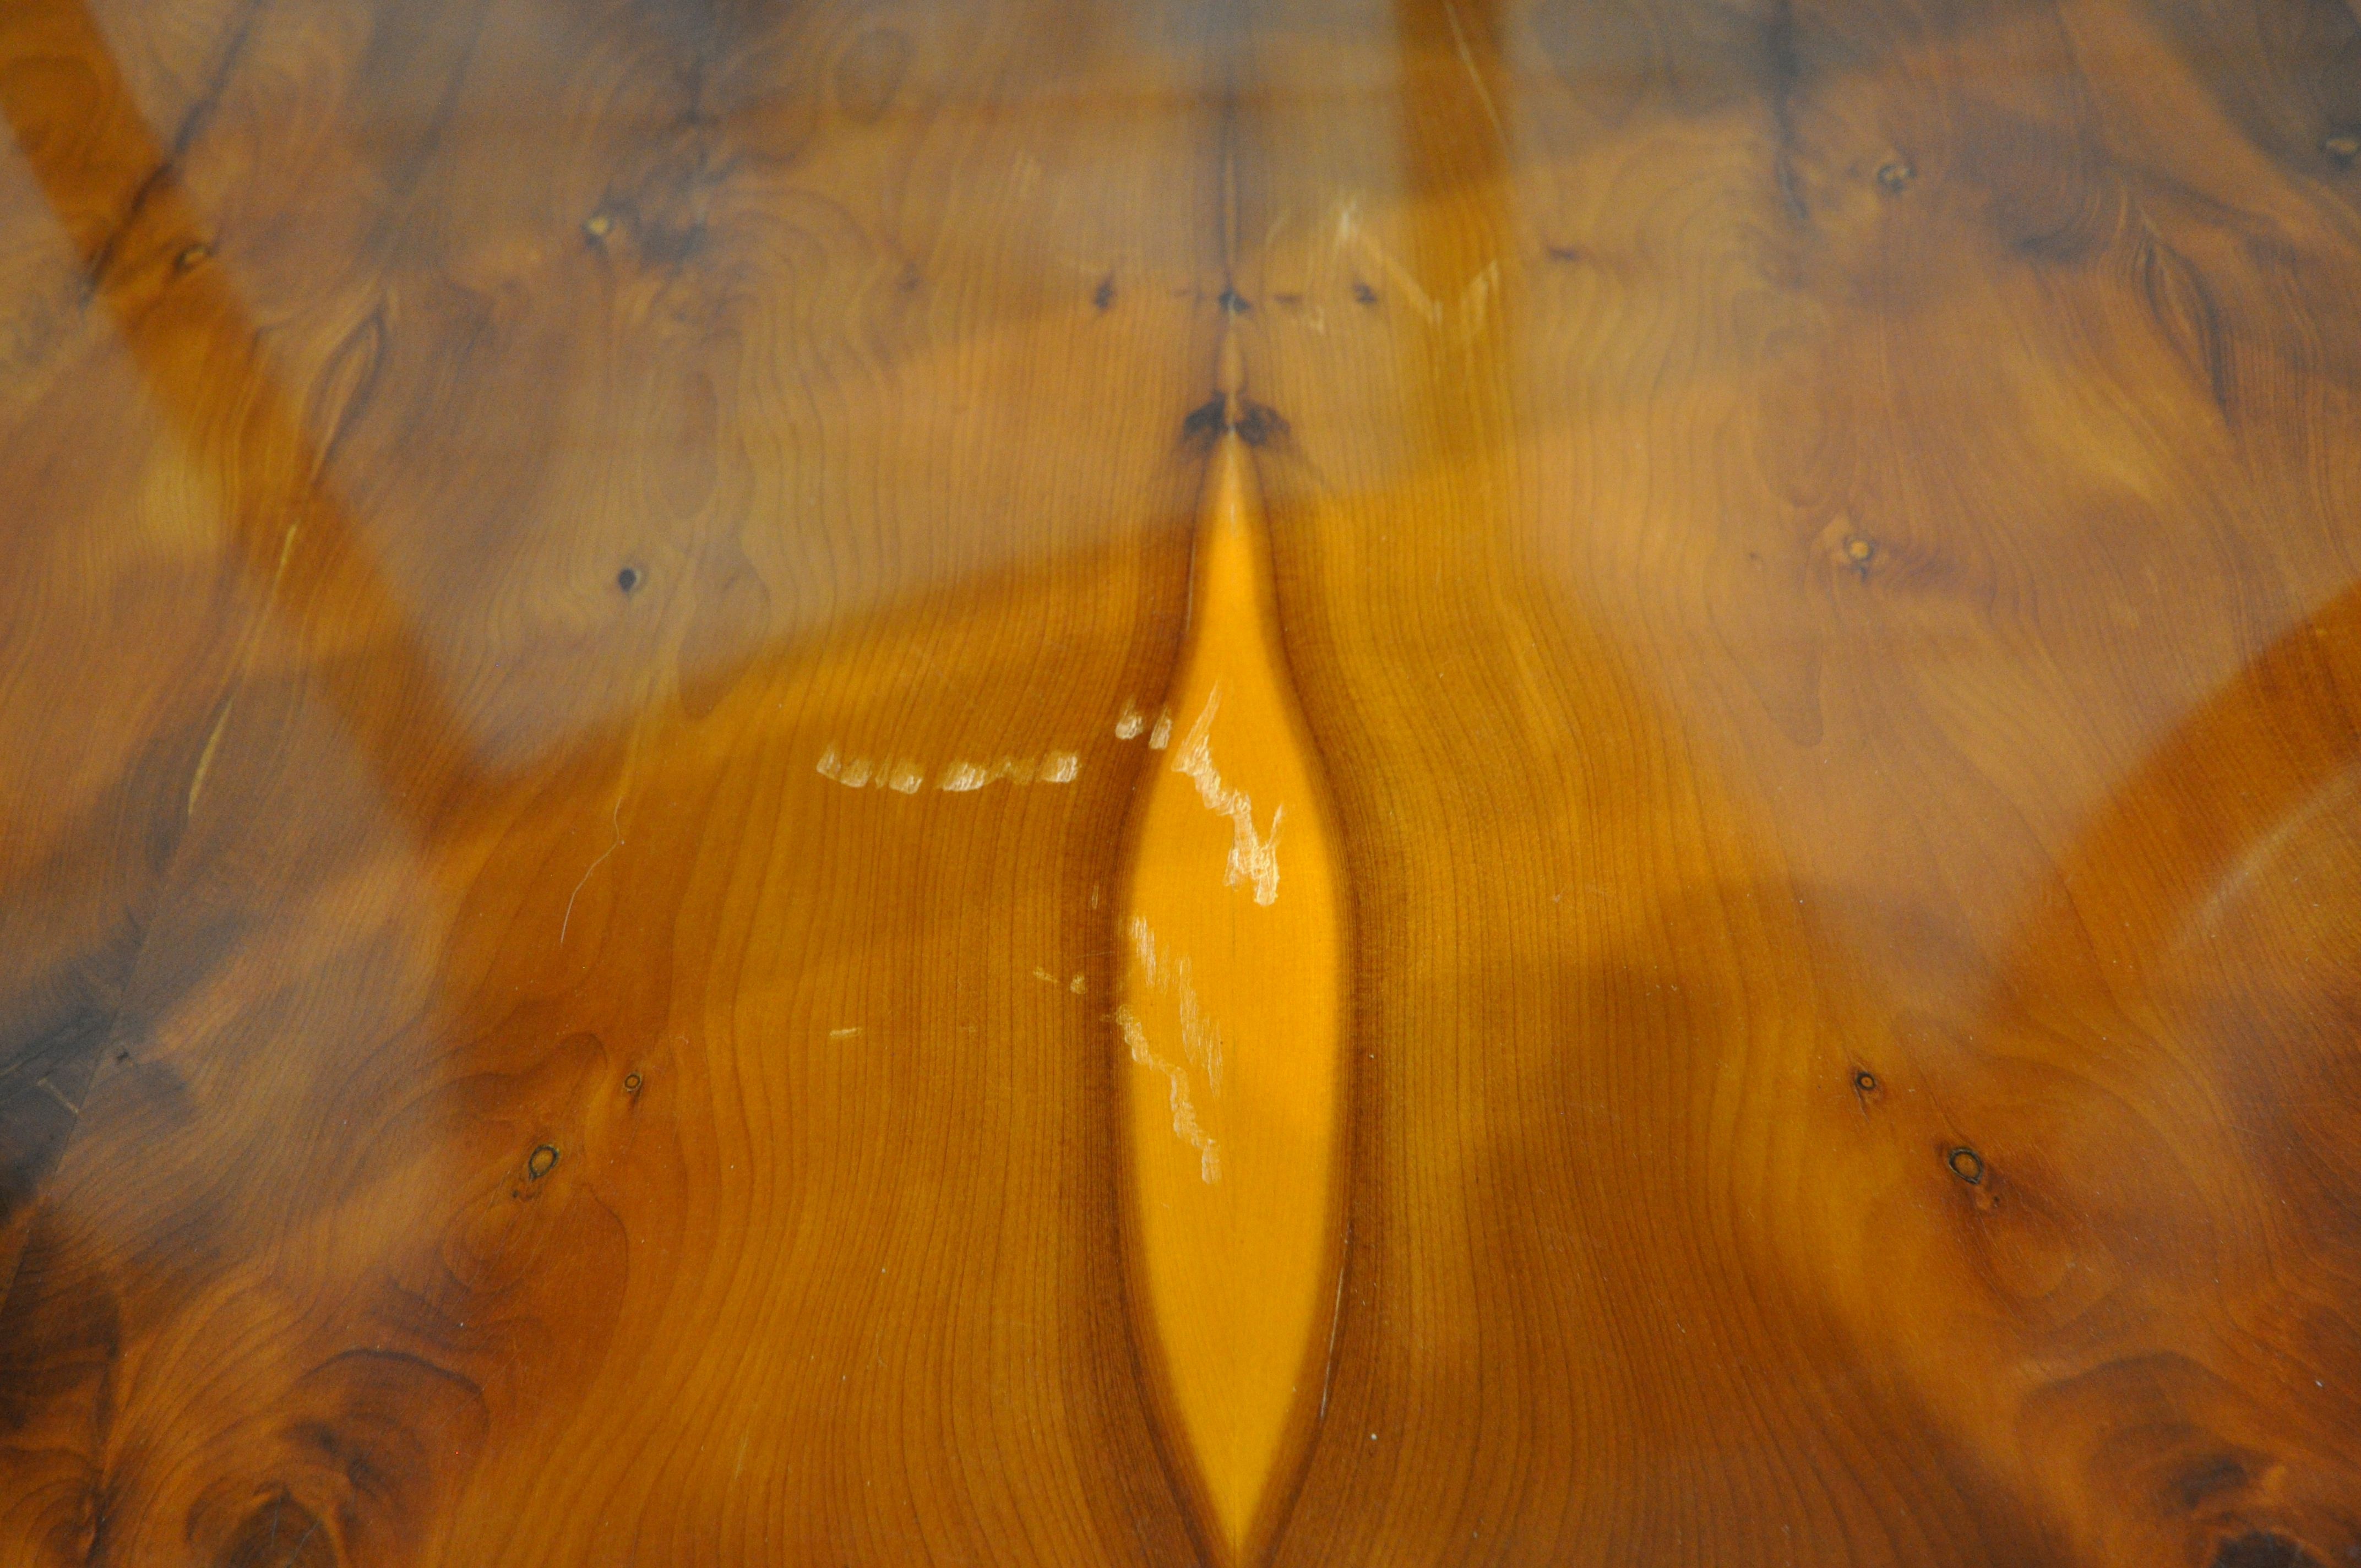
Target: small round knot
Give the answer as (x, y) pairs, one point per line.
(1966, 1164)
(544, 1161)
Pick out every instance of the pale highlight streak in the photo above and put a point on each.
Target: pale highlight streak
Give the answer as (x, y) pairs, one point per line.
(1254, 856)
(958, 777)
(1468, 58)
(1349, 230)
(1199, 1036)
(618, 827)
(1184, 1112)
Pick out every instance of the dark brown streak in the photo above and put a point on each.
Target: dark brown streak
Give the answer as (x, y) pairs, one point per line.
(269, 516)
(404, 177)
(163, 173)
(205, 307)
(2184, 306)
(1785, 67)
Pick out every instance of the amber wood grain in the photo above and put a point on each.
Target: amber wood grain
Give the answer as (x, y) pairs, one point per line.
(1233, 1005)
(587, 587)
(1805, 529)
(546, 1118)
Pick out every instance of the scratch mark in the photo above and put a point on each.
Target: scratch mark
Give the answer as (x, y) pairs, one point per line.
(958, 777)
(853, 774)
(1254, 856)
(1271, 234)
(296, 1555)
(1184, 1113)
(616, 825)
(205, 757)
(245, 658)
(845, 1033)
(1133, 721)
(1201, 1038)
(1161, 736)
(1336, 1321)
(1476, 303)
(71, 1109)
(1349, 230)
(1468, 58)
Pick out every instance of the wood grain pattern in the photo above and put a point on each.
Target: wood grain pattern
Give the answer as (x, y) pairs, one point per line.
(1233, 921)
(576, 574)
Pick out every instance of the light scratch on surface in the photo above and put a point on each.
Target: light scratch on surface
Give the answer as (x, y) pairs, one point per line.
(299, 1545)
(1201, 1038)
(1161, 736)
(205, 757)
(1271, 234)
(1336, 1321)
(1254, 856)
(245, 658)
(616, 825)
(1468, 58)
(1349, 228)
(853, 774)
(958, 777)
(1130, 723)
(1184, 1113)
(1476, 303)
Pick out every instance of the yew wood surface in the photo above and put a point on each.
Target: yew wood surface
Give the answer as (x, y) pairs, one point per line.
(1234, 1003)
(573, 577)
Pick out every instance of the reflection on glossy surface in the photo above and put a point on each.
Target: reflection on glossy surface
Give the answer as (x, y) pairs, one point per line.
(577, 573)
(1232, 1012)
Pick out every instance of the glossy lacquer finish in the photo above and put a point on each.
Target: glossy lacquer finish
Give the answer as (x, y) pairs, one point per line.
(1054, 782)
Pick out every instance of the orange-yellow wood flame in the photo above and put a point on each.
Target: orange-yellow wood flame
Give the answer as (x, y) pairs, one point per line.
(1231, 1014)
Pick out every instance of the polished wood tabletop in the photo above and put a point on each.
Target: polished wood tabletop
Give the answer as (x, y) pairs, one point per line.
(1122, 782)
